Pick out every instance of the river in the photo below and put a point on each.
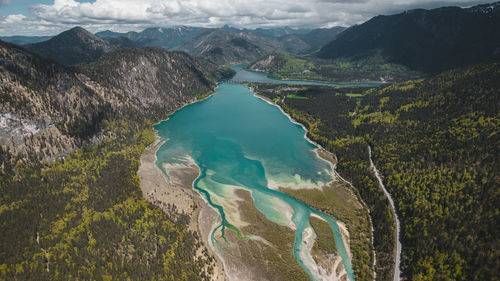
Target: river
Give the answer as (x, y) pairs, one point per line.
(242, 142)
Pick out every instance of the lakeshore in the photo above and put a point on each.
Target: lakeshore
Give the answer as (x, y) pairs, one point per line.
(178, 192)
(210, 146)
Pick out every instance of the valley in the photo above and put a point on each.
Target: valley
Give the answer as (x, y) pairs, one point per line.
(255, 142)
(225, 156)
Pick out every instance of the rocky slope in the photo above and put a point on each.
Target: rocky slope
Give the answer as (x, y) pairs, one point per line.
(77, 45)
(48, 109)
(224, 47)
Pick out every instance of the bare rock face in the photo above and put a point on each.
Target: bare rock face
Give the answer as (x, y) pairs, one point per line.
(263, 63)
(153, 76)
(224, 47)
(47, 109)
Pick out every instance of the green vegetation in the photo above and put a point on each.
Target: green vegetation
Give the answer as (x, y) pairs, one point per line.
(287, 66)
(325, 239)
(354, 95)
(274, 261)
(204, 96)
(430, 41)
(83, 217)
(435, 141)
(333, 200)
(295, 96)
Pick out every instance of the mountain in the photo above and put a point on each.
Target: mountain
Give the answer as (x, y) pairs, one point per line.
(293, 44)
(66, 218)
(224, 47)
(278, 31)
(109, 33)
(77, 45)
(23, 40)
(169, 38)
(190, 39)
(302, 43)
(316, 38)
(430, 41)
(43, 101)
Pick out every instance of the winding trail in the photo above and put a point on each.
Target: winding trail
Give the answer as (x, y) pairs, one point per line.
(397, 271)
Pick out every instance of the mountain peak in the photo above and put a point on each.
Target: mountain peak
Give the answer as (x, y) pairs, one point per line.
(78, 29)
(76, 35)
(76, 45)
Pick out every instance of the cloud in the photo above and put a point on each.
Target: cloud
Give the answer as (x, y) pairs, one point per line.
(5, 2)
(125, 15)
(13, 19)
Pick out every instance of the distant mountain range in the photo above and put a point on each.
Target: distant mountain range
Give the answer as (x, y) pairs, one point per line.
(23, 40)
(228, 44)
(220, 45)
(77, 45)
(430, 41)
(169, 38)
(419, 41)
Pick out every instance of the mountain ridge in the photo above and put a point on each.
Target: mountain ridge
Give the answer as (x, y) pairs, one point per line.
(67, 104)
(431, 41)
(76, 45)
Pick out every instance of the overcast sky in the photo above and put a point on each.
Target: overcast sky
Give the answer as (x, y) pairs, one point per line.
(49, 17)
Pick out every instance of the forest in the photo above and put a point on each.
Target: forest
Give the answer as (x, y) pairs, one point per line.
(436, 143)
(83, 217)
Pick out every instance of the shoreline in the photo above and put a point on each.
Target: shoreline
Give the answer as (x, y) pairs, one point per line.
(160, 191)
(174, 187)
(333, 162)
(318, 150)
(192, 101)
(325, 83)
(331, 159)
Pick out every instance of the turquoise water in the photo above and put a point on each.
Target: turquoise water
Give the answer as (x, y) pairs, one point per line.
(241, 141)
(243, 75)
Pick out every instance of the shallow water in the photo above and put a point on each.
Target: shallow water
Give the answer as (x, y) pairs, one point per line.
(241, 141)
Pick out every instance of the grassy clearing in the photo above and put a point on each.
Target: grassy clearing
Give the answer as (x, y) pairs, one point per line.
(325, 240)
(340, 202)
(295, 96)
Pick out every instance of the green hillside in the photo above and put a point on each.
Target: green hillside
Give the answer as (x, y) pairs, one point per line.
(436, 143)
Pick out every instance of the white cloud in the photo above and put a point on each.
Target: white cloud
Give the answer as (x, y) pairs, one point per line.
(5, 2)
(13, 19)
(124, 15)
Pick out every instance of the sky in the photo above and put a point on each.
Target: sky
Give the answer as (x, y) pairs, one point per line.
(50, 17)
